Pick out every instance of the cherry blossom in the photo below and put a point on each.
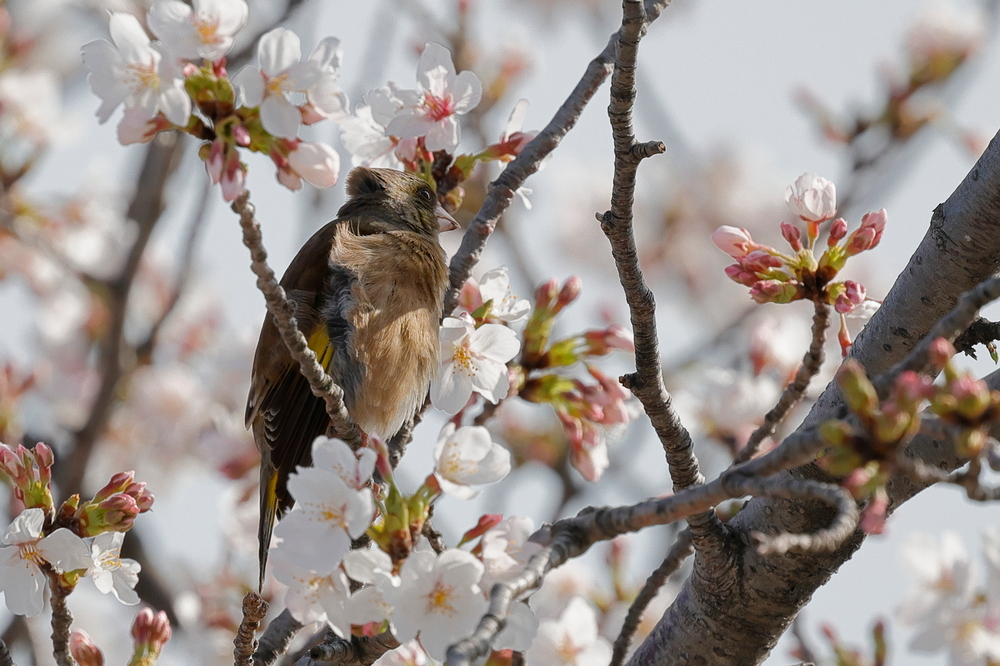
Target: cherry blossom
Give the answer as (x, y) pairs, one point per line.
(472, 360)
(134, 72)
(282, 71)
(570, 640)
(354, 468)
(439, 598)
(494, 287)
(812, 198)
(206, 31)
(468, 456)
(364, 135)
(111, 572)
(431, 110)
(326, 98)
(313, 596)
(943, 573)
(370, 603)
(316, 163)
(25, 550)
(327, 515)
(29, 106)
(505, 549)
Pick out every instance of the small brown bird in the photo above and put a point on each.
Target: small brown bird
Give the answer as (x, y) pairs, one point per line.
(368, 290)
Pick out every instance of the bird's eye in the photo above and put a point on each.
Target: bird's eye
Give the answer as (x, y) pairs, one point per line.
(425, 194)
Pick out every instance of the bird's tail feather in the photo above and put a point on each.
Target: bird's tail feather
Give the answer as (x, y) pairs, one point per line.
(268, 513)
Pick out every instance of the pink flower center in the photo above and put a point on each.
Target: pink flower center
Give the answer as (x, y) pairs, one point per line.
(438, 108)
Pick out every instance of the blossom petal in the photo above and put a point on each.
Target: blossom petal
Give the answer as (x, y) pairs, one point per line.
(278, 50)
(250, 82)
(279, 117)
(467, 92)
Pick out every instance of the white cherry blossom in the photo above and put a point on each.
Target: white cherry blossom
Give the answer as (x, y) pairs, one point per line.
(944, 577)
(431, 110)
(468, 456)
(439, 598)
(316, 163)
(314, 596)
(812, 198)
(371, 602)
(355, 468)
(282, 72)
(472, 360)
(111, 572)
(24, 551)
(506, 549)
(328, 513)
(325, 96)
(134, 72)
(204, 31)
(570, 640)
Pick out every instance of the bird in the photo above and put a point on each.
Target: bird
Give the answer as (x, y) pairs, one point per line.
(368, 293)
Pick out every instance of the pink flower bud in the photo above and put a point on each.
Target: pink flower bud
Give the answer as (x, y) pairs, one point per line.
(317, 163)
(118, 483)
(233, 177)
(940, 352)
(84, 650)
(546, 293)
(43, 455)
(241, 135)
(215, 161)
(737, 274)
(760, 261)
(868, 234)
(837, 231)
(734, 241)
(143, 498)
(775, 291)
(793, 235)
(568, 293)
(150, 631)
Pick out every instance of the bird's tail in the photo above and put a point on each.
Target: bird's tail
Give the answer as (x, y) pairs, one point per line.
(268, 513)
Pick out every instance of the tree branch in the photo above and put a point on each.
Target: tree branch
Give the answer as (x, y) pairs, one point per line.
(501, 191)
(276, 638)
(811, 364)
(283, 311)
(254, 610)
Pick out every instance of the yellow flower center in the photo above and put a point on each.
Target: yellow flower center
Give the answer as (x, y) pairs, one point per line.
(141, 77)
(276, 84)
(463, 358)
(207, 29)
(439, 600)
(29, 552)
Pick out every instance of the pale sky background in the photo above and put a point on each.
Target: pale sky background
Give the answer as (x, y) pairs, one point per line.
(725, 70)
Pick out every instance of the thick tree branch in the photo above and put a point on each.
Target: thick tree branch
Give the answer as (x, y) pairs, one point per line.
(276, 638)
(283, 311)
(746, 608)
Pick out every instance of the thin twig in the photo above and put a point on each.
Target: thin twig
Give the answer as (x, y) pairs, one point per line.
(647, 382)
(811, 364)
(276, 638)
(680, 551)
(949, 327)
(62, 620)
(353, 651)
(254, 610)
(501, 191)
(283, 311)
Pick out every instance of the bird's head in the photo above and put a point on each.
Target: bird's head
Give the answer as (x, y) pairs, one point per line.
(396, 199)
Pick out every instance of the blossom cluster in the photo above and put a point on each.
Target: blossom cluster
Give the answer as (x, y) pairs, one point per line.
(76, 540)
(180, 82)
(776, 277)
(408, 588)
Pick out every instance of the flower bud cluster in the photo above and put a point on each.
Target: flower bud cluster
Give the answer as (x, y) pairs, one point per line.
(776, 277)
(30, 472)
(113, 509)
(864, 456)
(964, 402)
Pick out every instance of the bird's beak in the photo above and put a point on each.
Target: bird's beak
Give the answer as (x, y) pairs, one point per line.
(445, 221)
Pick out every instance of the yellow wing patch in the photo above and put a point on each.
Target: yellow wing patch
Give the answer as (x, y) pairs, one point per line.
(319, 343)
